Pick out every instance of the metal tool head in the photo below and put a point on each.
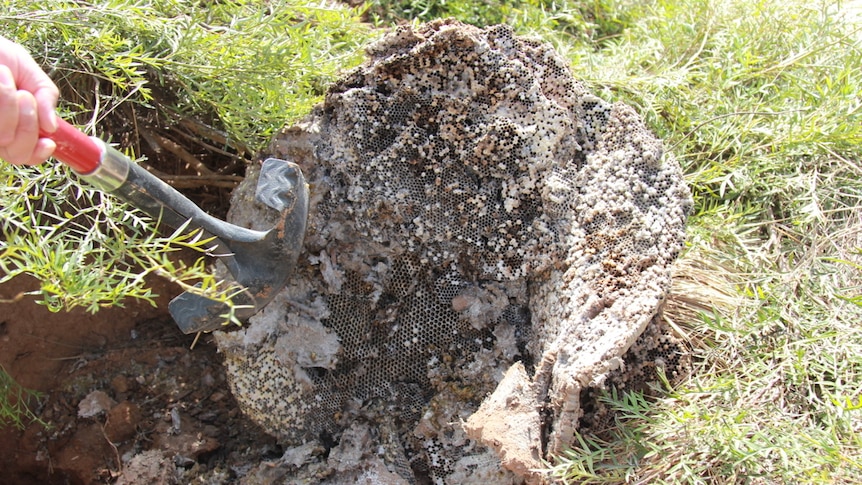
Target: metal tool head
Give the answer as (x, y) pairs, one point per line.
(260, 261)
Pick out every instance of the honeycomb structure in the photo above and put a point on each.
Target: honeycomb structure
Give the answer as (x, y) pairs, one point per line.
(484, 235)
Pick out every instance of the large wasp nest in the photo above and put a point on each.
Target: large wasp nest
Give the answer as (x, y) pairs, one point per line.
(486, 240)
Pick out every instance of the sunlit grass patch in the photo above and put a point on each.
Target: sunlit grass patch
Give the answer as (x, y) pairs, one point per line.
(760, 102)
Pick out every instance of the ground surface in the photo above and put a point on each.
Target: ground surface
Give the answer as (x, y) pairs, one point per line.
(157, 395)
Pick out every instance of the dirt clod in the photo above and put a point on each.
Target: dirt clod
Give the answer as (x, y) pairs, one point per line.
(94, 404)
(149, 467)
(122, 422)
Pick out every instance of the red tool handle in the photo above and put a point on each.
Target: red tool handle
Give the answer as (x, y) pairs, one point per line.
(74, 148)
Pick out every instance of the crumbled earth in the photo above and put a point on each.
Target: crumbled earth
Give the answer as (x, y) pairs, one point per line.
(124, 398)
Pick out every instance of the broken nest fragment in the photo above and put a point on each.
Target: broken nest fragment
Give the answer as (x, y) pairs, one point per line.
(486, 241)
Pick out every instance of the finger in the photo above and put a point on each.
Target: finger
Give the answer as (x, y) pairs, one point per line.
(46, 106)
(44, 148)
(34, 80)
(27, 131)
(27, 75)
(8, 106)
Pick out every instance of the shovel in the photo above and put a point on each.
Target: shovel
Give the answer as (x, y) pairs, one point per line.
(260, 261)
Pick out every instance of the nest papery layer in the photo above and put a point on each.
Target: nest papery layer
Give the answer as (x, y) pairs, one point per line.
(486, 241)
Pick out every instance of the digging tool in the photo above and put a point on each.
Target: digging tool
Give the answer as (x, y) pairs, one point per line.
(260, 261)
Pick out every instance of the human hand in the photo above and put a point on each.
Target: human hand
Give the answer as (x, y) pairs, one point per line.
(28, 99)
